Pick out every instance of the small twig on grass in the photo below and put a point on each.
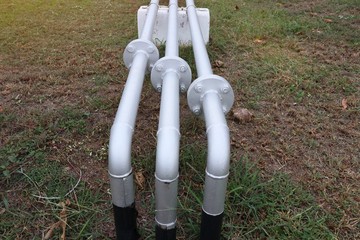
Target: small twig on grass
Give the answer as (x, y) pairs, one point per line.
(80, 175)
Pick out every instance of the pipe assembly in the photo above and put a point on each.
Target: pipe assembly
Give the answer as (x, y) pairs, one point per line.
(209, 96)
(170, 75)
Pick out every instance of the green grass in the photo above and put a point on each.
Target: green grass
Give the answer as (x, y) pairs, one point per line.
(256, 207)
(293, 167)
(42, 188)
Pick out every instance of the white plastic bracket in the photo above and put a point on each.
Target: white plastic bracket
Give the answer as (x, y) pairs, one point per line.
(179, 65)
(161, 23)
(141, 45)
(209, 83)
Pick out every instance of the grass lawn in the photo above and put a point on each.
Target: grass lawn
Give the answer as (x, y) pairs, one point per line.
(294, 64)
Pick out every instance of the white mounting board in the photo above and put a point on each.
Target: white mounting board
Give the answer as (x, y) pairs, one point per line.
(161, 23)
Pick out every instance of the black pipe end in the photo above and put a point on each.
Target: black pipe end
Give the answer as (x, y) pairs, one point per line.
(210, 226)
(165, 234)
(125, 223)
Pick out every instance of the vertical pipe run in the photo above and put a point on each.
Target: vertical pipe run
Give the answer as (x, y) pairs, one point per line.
(139, 54)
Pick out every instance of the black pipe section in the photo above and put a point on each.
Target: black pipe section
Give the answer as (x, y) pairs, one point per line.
(125, 223)
(210, 226)
(165, 234)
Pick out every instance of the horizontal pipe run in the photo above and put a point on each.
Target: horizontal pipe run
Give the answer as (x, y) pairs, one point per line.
(172, 42)
(203, 65)
(123, 126)
(147, 32)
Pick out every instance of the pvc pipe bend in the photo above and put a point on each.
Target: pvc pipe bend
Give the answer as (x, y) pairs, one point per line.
(167, 154)
(168, 135)
(218, 159)
(120, 150)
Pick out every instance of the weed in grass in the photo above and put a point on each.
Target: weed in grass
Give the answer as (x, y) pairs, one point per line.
(13, 156)
(73, 120)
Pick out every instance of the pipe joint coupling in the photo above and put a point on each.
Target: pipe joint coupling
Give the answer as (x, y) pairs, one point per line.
(141, 45)
(175, 64)
(209, 84)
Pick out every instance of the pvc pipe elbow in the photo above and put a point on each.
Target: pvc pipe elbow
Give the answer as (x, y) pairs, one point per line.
(167, 154)
(218, 159)
(120, 150)
(218, 137)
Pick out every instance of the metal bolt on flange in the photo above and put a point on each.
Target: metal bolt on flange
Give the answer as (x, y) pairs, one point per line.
(198, 89)
(182, 88)
(182, 69)
(159, 68)
(158, 88)
(196, 110)
(130, 49)
(225, 89)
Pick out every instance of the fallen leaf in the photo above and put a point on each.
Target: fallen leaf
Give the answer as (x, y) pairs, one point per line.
(219, 63)
(344, 103)
(260, 41)
(242, 114)
(140, 179)
(61, 223)
(328, 20)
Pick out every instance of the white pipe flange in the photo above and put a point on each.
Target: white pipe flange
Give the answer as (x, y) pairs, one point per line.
(141, 45)
(177, 64)
(206, 84)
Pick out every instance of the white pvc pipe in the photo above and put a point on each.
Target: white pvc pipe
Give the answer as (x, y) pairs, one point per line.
(218, 158)
(168, 136)
(120, 171)
(147, 32)
(214, 96)
(217, 130)
(203, 65)
(172, 42)
(167, 153)
(122, 132)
